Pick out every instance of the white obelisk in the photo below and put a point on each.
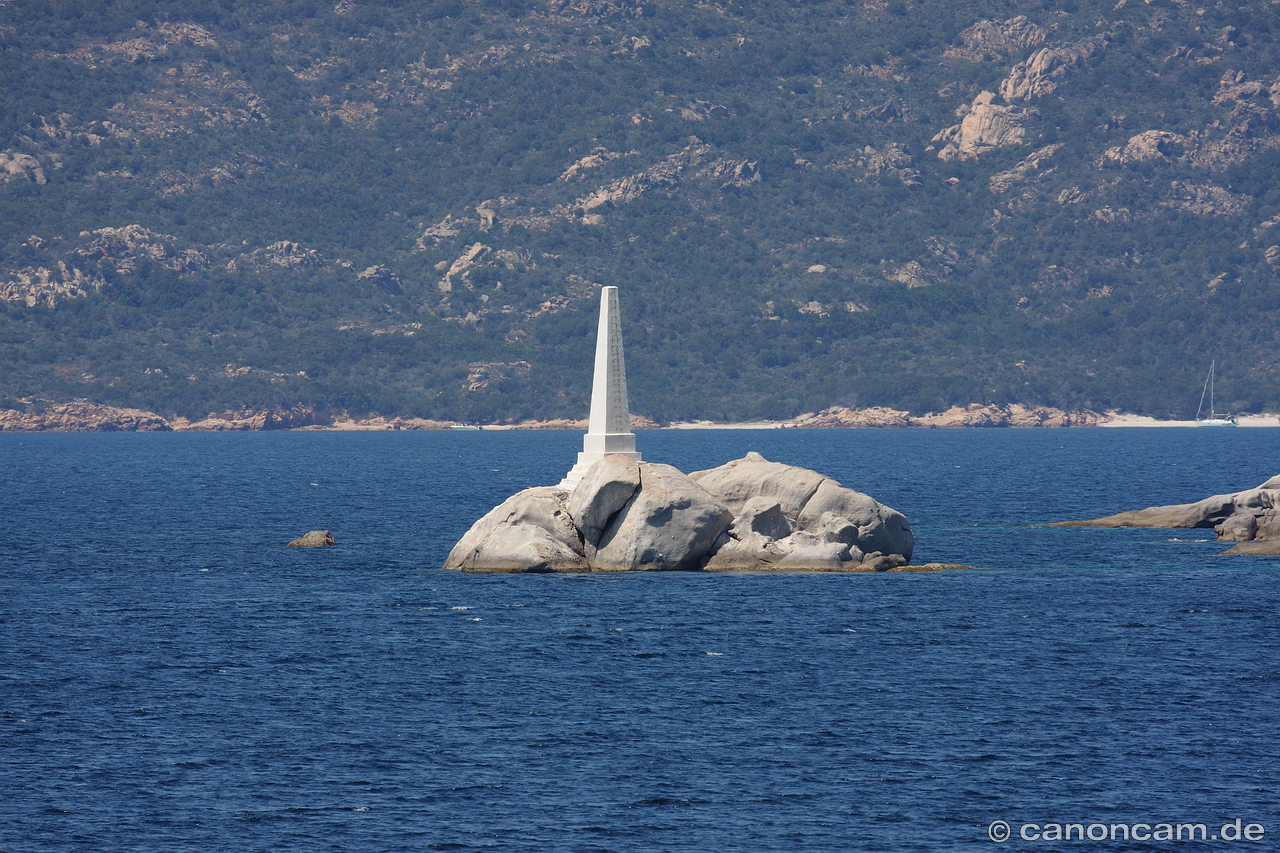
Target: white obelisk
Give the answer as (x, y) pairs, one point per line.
(609, 430)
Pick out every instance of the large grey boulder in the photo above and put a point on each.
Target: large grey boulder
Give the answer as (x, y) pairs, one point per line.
(762, 517)
(1241, 527)
(751, 543)
(827, 526)
(668, 523)
(879, 528)
(753, 476)
(605, 488)
(531, 531)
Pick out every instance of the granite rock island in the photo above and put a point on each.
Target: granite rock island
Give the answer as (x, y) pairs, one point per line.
(614, 512)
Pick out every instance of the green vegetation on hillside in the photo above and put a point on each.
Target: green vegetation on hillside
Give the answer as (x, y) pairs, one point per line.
(408, 208)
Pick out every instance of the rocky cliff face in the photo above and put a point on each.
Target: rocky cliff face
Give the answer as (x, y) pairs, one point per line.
(480, 268)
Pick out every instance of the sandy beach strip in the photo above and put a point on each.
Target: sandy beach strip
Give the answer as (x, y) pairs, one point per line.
(1119, 420)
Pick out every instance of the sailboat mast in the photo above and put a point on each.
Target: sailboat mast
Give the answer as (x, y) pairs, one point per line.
(1212, 419)
(1208, 383)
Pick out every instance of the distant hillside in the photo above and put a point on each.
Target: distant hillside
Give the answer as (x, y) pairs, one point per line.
(408, 207)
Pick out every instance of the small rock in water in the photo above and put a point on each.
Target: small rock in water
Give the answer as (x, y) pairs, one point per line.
(315, 538)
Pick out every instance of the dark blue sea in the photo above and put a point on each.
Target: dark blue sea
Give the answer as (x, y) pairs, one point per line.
(172, 678)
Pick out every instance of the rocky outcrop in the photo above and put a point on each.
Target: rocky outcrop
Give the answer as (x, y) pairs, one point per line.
(669, 522)
(870, 164)
(17, 166)
(626, 515)
(1015, 415)
(42, 286)
(1205, 199)
(984, 126)
(697, 162)
(382, 276)
(1250, 517)
(840, 417)
(282, 253)
(81, 416)
(1044, 72)
(1030, 165)
(792, 518)
(150, 44)
(1249, 129)
(255, 420)
(125, 247)
(697, 165)
(1148, 145)
(302, 418)
(1260, 548)
(753, 476)
(622, 516)
(991, 40)
(344, 422)
(598, 157)
(462, 265)
(1272, 256)
(314, 539)
(84, 416)
(973, 415)
(913, 274)
(604, 490)
(615, 10)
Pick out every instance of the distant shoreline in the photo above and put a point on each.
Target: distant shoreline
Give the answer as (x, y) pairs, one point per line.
(83, 416)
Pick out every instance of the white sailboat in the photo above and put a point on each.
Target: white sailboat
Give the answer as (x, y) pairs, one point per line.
(1213, 419)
